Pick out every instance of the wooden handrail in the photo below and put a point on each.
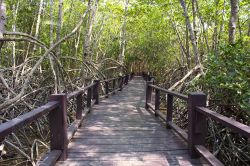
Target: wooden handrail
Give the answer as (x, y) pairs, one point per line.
(20, 121)
(176, 94)
(228, 122)
(56, 109)
(197, 119)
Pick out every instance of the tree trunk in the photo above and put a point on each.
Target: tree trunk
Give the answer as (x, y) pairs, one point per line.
(187, 48)
(39, 18)
(123, 34)
(194, 21)
(2, 20)
(14, 11)
(203, 26)
(232, 21)
(215, 33)
(51, 23)
(222, 22)
(2, 17)
(88, 36)
(59, 26)
(248, 33)
(191, 32)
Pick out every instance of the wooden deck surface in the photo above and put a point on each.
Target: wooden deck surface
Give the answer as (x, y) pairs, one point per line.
(120, 132)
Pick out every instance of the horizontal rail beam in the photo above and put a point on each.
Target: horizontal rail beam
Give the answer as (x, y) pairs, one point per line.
(8, 127)
(230, 123)
(209, 157)
(176, 94)
(78, 92)
(50, 158)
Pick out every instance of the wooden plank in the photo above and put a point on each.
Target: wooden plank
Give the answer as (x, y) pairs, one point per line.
(127, 141)
(72, 129)
(161, 115)
(123, 133)
(10, 126)
(178, 130)
(209, 157)
(97, 128)
(119, 132)
(77, 147)
(50, 158)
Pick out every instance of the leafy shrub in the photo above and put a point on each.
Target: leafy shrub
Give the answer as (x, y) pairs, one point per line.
(227, 75)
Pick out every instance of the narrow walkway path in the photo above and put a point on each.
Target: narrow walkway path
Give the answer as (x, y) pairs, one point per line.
(120, 132)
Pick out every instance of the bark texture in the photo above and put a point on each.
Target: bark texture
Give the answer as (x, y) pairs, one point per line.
(233, 21)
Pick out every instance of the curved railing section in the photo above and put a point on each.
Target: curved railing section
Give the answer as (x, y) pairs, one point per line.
(197, 118)
(56, 110)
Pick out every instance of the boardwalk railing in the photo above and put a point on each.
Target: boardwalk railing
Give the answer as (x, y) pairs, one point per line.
(113, 85)
(197, 119)
(56, 110)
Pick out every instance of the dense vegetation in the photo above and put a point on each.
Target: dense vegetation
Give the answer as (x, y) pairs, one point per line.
(52, 46)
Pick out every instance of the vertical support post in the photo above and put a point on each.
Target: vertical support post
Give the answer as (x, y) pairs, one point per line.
(58, 125)
(89, 97)
(96, 91)
(148, 93)
(169, 109)
(126, 78)
(197, 124)
(120, 83)
(79, 106)
(106, 89)
(157, 101)
(114, 81)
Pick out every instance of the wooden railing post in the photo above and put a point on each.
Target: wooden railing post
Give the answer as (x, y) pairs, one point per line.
(114, 81)
(106, 89)
(148, 93)
(197, 124)
(126, 79)
(157, 101)
(79, 106)
(120, 83)
(58, 125)
(96, 91)
(89, 97)
(169, 109)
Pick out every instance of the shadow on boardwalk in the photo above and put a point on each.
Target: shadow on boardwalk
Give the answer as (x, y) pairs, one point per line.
(120, 132)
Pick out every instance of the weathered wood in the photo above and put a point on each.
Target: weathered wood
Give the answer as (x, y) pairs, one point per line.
(148, 93)
(50, 158)
(169, 109)
(72, 129)
(106, 86)
(209, 157)
(176, 94)
(89, 97)
(10, 126)
(96, 91)
(113, 83)
(197, 124)
(58, 125)
(119, 129)
(79, 106)
(120, 83)
(157, 101)
(228, 122)
(178, 130)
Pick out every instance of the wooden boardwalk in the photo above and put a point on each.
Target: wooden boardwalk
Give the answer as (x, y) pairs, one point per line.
(120, 132)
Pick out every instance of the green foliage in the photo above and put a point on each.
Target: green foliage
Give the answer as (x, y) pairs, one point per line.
(227, 76)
